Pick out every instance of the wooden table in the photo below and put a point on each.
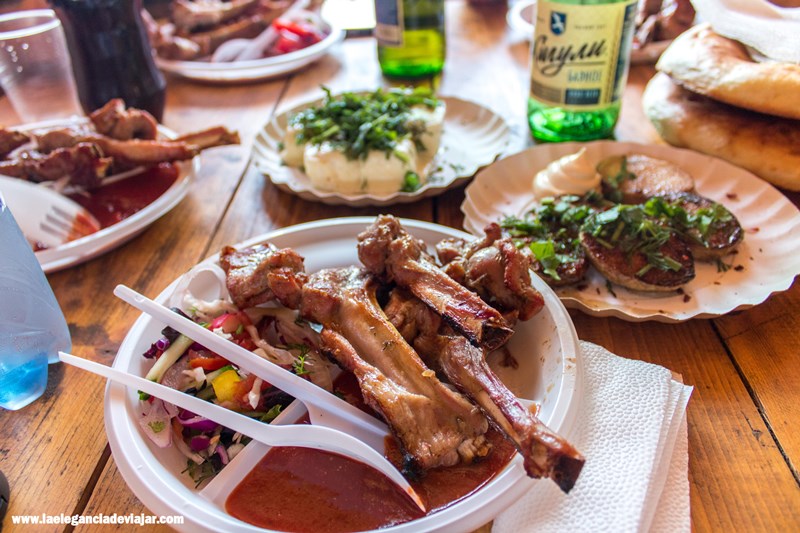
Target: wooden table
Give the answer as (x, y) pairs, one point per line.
(744, 443)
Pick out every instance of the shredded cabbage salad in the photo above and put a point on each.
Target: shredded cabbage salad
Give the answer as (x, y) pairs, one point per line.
(276, 334)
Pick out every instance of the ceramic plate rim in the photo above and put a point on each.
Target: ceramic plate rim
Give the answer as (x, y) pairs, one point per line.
(128, 448)
(510, 143)
(757, 188)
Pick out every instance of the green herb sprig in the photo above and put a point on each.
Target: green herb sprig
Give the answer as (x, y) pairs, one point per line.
(358, 123)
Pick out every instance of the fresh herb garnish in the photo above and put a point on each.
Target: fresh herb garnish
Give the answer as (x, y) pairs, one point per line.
(358, 123)
(272, 414)
(614, 181)
(411, 182)
(632, 230)
(695, 224)
(545, 253)
(299, 364)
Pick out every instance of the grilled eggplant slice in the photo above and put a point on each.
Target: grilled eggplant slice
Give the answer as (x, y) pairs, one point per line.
(633, 179)
(636, 250)
(710, 230)
(550, 234)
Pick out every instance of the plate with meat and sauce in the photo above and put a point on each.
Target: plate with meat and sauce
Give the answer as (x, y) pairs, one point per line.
(124, 207)
(540, 363)
(118, 164)
(763, 263)
(292, 51)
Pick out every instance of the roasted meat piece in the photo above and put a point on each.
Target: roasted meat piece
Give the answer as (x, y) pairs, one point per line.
(191, 15)
(198, 27)
(545, 453)
(83, 163)
(117, 122)
(10, 140)
(214, 136)
(435, 425)
(495, 269)
(390, 253)
(263, 273)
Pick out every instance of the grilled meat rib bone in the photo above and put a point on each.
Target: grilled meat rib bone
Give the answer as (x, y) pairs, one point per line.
(436, 425)
(545, 454)
(390, 253)
(263, 273)
(495, 269)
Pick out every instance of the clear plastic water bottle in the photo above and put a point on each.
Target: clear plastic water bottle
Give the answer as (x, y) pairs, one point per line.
(32, 326)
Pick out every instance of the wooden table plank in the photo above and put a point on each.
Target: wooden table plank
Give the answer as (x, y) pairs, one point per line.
(742, 417)
(763, 342)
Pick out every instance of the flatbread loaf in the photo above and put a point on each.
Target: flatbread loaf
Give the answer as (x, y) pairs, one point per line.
(707, 63)
(766, 146)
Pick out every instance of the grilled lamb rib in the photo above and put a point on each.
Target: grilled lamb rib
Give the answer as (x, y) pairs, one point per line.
(545, 453)
(390, 253)
(435, 425)
(262, 273)
(495, 269)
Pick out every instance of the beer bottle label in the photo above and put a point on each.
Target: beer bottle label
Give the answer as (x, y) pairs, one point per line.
(389, 22)
(580, 53)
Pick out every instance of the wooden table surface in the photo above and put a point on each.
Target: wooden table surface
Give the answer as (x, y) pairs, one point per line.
(744, 443)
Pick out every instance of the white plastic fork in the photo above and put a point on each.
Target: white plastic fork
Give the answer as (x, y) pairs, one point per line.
(249, 49)
(324, 409)
(69, 225)
(306, 436)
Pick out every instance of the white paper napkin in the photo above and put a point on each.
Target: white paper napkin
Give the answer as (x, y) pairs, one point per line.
(632, 431)
(772, 30)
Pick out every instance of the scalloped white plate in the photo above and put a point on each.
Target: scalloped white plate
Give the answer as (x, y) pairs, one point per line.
(85, 248)
(767, 260)
(473, 136)
(257, 69)
(549, 372)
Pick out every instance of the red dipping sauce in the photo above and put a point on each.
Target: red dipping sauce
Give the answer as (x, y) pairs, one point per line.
(117, 201)
(304, 490)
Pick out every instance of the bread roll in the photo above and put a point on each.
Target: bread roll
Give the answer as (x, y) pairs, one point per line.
(712, 65)
(766, 146)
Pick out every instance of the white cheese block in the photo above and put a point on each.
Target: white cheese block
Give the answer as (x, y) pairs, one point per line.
(384, 173)
(379, 173)
(292, 152)
(433, 120)
(330, 170)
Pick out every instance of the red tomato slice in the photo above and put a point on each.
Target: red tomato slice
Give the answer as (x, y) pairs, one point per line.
(206, 360)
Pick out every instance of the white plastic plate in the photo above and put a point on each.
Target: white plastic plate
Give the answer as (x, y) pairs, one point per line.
(546, 348)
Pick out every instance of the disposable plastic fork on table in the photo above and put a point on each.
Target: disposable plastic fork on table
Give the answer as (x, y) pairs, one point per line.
(307, 436)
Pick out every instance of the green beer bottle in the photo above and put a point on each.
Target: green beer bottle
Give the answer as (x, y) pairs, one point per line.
(410, 35)
(579, 65)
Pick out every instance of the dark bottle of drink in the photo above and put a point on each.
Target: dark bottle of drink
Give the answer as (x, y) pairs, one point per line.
(111, 54)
